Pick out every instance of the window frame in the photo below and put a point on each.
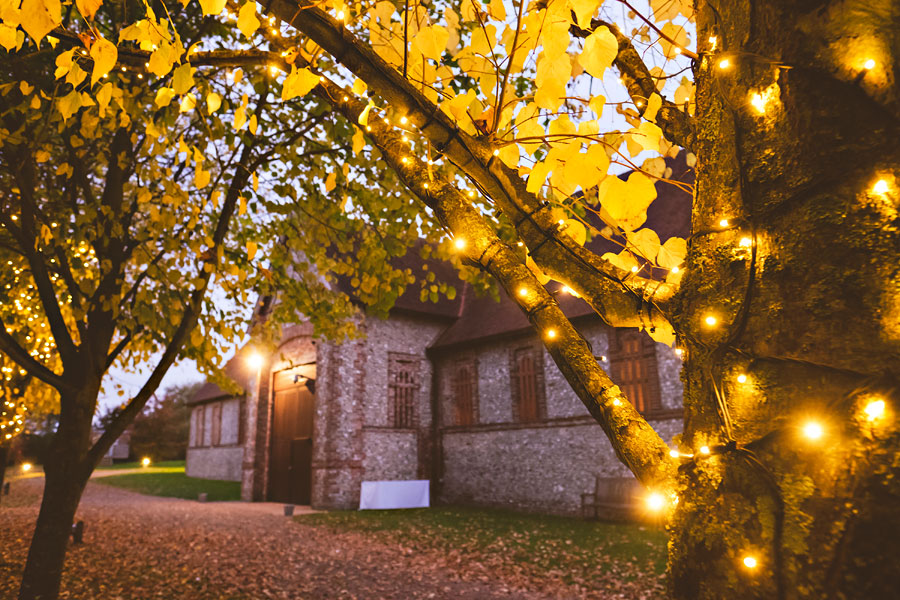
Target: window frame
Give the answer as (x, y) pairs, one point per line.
(406, 416)
(464, 394)
(644, 361)
(538, 399)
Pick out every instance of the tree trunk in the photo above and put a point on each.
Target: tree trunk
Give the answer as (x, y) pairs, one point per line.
(4, 456)
(66, 472)
(807, 330)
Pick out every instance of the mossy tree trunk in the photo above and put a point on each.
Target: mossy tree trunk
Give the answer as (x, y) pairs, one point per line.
(808, 315)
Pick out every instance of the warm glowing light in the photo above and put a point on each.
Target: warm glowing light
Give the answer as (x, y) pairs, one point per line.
(723, 223)
(679, 352)
(674, 453)
(750, 562)
(460, 243)
(570, 291)
(551, 333)
(713, 40)
(523, 291)
(520, 243)
(403, 120)
(26, 467)
(634, 269)
(880, 187)
(704, 450)
(742, 378)
(869, 64)
(255, 360)
(710, 320)
(874, 409)
(675, 269)
(758, 102)
(340, 15)
(655, 501)
(496, 153)
(813, 430)
(724, 63)
(145, 462)
(404, 160)
(617, 402)
(746, 242)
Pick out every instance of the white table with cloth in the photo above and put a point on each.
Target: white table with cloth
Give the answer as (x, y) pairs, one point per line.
(394, 494)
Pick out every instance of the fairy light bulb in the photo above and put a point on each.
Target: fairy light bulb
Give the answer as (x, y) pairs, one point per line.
(742, 378)
(460, 243)
(340, 15)
(704, 450)
(746, 242)
(617, 402)
(403, 120)
(874, 409)
(675, 269)
(496, 152)
(813, 430)
(674, 453)
(880, 187)
(26, 467)
(551, 334)
(523, 291)
(869, 64)
(710, 320)
(724, 63)
(750, 562)
(723, 223)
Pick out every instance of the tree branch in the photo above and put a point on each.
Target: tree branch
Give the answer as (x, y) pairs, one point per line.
(635, 441)
(598, 282)
(10, 347)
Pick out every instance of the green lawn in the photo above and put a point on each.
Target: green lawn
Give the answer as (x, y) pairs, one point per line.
(166, 464)
(538, 545)
(168, 479)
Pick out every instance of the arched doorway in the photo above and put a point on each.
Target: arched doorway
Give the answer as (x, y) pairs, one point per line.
(291, 443)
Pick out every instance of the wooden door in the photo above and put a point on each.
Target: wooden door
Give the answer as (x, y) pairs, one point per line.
(290, 458)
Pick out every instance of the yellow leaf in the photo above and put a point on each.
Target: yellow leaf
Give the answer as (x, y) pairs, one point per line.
(600, 50)
(187, 103)
(625, 260)
(201, 177)
(330, 182)
(182, 79)
(213, 102)
(646, 135)
(164, 96)
(212, 7)
(41, 156)
(664, 10)
(537, 177)
(255, 181)
(64, 63)
(104, 96)
(359, 141)
(542, 279)
(69, 104)
(298, 83)
(672, 253)
(364, 115)
(653, 106)
(8, 36)
(252, 124)
(162, 59)
(431, 41)
(359, 87)
(663, 333)
(497, 10)
(584, 10)
(509, 154)
(627, 202)
(247, 21)
(576, 230)
(242, 206)
(251, 250)
(88, 8)
(39, 17)
(678, 35)
(645, 242)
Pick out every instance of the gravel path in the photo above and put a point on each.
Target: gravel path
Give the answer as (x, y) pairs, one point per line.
(140, 546)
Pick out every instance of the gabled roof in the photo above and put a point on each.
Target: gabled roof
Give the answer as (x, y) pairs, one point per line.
(234, 370)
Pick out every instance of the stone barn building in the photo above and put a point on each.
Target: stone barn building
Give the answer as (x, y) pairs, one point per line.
(459, 392)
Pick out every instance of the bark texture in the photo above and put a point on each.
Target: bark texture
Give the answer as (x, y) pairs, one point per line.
(808, 313)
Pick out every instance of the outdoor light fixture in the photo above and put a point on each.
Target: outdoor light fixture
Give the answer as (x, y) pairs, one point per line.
(26, 467)
(145, 462)
(255, 360)
(655, 501)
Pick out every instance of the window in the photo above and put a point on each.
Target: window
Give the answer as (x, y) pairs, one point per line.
(403, 387)
(216, 424)
(527, 378)
(464, 392)
(197, 426)
(634, 368)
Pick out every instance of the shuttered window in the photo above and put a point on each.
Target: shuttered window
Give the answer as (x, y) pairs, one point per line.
(634, 369)
(464, 393)
(403, 387)
(527, 380)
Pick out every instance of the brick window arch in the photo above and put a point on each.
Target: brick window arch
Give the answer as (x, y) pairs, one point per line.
(635, 370)
(403, 390)
(464, 384)
(527, 379)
